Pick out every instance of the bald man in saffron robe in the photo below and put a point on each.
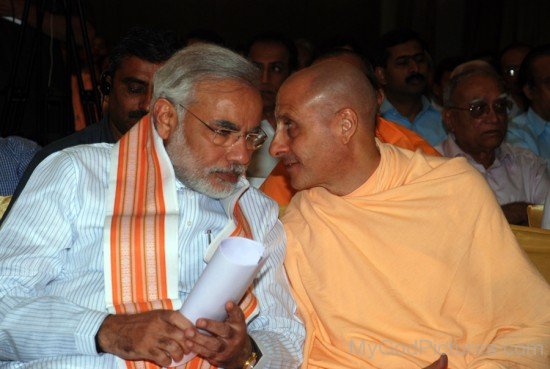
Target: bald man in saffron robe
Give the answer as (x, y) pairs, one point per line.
(396, 257)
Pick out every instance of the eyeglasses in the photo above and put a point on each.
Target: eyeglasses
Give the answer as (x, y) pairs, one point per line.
(478, 108)
(226, 137)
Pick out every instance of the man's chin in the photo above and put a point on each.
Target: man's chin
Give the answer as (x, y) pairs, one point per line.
(211, 187)
(222, 185)
(216, 192)
(298, 184)
(415, 89)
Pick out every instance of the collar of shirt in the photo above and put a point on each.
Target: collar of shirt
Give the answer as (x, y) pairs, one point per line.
(450, 149)
(388, 108)
(536, 123)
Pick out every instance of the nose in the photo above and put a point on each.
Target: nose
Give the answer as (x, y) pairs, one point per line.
(146, 100)
(238, 153)
(279, 145)
(413, 66)
(265, 75)
(492, 115)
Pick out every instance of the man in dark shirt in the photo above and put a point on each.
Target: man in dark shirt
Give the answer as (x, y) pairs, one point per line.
(126, 88)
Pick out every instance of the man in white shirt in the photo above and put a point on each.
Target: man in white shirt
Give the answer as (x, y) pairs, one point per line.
(58, 278)
(532, 128)
(476, 108)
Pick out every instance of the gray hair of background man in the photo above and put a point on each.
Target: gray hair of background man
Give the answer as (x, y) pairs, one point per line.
(176, 80)
(461, 77)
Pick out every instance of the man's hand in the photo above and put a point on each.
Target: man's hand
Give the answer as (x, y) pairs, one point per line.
(156, 336)
(441, 363)
(228, 346)
(516, 213)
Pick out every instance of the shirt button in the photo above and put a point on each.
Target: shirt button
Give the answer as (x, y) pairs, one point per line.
(189, 223)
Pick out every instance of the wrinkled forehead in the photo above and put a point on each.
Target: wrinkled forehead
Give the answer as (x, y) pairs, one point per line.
(269, 50)
(479, 87)
(541, 66)
(295, 89)
(408, 48)
(235, 100)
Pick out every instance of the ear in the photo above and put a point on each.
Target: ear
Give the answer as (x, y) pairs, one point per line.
(448, 119)
(105, 103)
(165, 118)
(380, 75)
(379, 98)
(346, 124)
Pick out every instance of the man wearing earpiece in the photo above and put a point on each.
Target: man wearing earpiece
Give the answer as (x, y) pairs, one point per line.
(531, 129)
(126, 88)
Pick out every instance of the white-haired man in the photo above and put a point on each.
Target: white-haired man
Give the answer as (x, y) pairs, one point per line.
(90, 249)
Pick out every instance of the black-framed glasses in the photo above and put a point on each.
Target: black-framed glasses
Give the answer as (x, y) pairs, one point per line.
(478, 108)
(227, 137)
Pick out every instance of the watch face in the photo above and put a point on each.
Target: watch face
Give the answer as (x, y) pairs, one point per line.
(251, 361)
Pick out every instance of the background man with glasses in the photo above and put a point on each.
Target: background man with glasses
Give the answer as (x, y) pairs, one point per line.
(476, 112)
(107, 240)
(532, 128)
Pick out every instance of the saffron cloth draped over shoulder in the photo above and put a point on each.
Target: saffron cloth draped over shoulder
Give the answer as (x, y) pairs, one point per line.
(416, 262)
(141, 233)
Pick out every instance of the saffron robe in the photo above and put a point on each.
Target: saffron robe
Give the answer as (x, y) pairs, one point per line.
(417, 261)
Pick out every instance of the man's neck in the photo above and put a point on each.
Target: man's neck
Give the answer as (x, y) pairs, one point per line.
(483, 157)
(407, 105)
(356, 172)
(116, 133)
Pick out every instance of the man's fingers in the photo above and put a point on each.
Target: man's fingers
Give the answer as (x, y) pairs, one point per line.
(211, 343)
(234, 312)
(178, 320)
(172, 349)
(221, 329)
(154, 336)
(203, 351)
(160, 357)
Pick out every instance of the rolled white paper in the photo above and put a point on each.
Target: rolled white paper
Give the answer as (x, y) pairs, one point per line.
(226, 278)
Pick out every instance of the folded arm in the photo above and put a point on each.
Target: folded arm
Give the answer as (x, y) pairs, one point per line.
(35, 322)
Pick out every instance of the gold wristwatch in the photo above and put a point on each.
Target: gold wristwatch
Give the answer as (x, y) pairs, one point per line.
(254, 357)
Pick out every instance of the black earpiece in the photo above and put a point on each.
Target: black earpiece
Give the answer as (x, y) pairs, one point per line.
(105, 85)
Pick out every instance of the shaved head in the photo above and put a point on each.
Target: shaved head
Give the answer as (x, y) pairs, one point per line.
(325, 134)
(334, 85)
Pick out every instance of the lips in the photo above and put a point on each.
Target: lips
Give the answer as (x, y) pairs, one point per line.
(415, 79)
(493, 134)
(290, 164)
(228, 176)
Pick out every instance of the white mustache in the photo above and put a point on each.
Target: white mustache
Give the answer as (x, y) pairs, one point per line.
(236, 169)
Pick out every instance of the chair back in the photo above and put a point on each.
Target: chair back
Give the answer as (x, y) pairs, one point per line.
(534, 215)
